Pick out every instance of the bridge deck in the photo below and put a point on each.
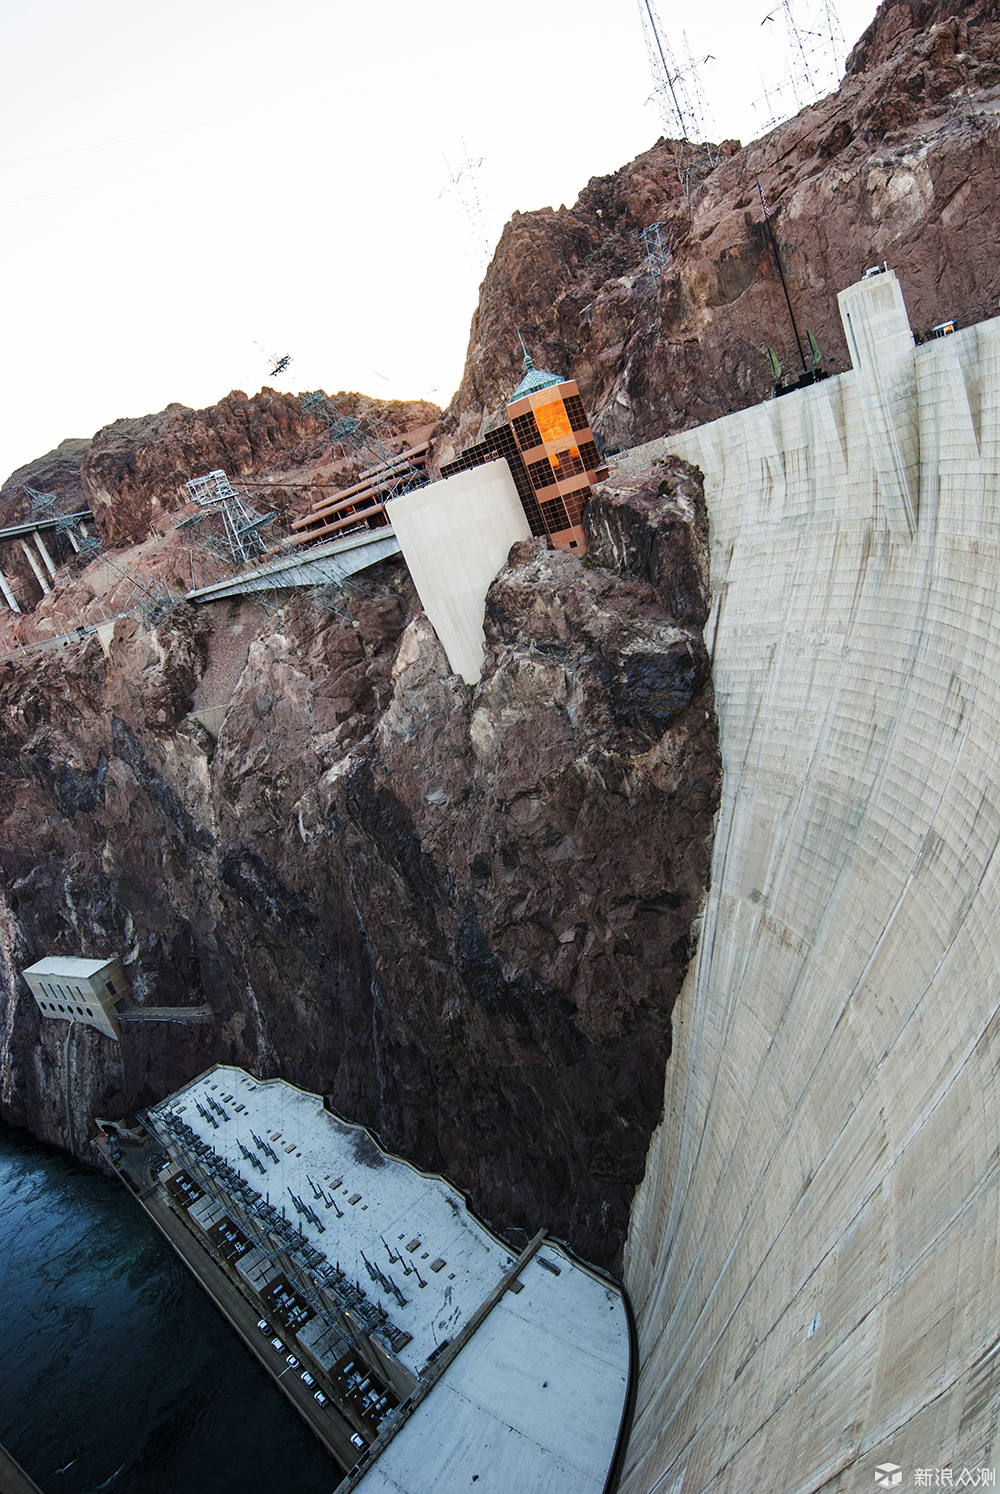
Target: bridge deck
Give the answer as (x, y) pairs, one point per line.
(327, 564)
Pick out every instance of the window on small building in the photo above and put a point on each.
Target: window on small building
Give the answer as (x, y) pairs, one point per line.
(110, 986)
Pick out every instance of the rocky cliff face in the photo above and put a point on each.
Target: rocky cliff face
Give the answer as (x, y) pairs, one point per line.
(132, 476)
(58, 473)
(135, 470)
(901, 163)
(463, 914)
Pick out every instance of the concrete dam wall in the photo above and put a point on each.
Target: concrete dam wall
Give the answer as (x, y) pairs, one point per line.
(813, 1252)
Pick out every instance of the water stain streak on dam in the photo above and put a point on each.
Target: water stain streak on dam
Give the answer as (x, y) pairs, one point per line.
(813, 1251)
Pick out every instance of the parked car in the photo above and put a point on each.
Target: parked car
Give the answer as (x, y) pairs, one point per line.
(291, 1361)
(265, 1327)
(319, 1396)
(307, 1378)
(358, 1441)
(277, 1344)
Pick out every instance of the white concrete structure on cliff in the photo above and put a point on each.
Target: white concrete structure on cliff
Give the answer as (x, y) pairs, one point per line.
(455, 535)
(813, 1252)
(95, 992)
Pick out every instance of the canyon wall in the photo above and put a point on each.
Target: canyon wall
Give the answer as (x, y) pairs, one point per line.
(463, 914)
(812, 1254)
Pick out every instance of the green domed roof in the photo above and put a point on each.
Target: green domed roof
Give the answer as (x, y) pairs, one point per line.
(534, 378)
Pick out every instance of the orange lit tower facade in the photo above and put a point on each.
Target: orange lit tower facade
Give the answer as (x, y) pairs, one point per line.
(550, 450)
(558, 450)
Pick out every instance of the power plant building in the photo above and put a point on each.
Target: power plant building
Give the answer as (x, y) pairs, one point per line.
(455, 1360)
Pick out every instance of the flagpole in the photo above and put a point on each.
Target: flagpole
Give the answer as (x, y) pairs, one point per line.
(781, 273)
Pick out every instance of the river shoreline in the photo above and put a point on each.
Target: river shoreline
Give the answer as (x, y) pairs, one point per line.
(117, 1375)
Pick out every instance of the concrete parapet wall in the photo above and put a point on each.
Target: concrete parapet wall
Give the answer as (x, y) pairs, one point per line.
(812, 1256)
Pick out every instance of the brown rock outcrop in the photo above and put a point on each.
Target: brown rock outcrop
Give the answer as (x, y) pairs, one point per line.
(57, 472)
(135, 470)
(464, 914)
(901, 163)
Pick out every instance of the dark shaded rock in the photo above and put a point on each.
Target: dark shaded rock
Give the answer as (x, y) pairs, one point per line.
(57, 473)
(461, 916)
(658, 533)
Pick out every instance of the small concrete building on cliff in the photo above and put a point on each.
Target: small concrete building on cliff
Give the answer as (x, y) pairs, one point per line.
(95, 992)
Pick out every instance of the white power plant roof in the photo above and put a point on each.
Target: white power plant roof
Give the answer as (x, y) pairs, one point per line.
(68, 966)
(535, 1399)
(533, 1403)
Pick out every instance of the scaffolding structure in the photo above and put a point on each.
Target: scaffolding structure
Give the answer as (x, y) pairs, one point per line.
(682, 102)
(241, 541)
(816, 53)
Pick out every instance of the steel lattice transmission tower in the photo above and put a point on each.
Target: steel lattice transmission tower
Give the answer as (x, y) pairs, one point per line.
(215, 494)
(43, 506)
(681, 99)
(364, 442)
(464, 184)
(816, 52)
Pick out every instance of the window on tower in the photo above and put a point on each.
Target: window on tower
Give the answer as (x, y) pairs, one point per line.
(552, 421)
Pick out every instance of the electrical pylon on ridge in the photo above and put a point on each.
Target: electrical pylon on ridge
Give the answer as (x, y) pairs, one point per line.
(681, 99)
(464, 183)
(816, 53)
(43, 506)
(364, 442)
(657, 250)
(242, 524)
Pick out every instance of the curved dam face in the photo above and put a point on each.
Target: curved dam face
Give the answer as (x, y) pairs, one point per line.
(813, 1252)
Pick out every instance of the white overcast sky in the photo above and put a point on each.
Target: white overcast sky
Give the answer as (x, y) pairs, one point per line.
(188, 188)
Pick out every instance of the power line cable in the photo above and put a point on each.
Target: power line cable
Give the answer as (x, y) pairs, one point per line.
(75, 150)
(113, 181)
